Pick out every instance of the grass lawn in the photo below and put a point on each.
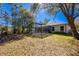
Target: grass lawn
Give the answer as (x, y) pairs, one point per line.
(53, 44)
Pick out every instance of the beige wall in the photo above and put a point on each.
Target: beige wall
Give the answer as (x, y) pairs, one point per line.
(57, 28)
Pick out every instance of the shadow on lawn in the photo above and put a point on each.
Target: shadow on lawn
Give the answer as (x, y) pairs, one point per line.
(12, 37)
(39, 35)
(44, 35)
(9, 38)
(63, 34)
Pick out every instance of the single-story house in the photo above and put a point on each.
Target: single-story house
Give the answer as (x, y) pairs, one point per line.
(58, 27)
(53, 27)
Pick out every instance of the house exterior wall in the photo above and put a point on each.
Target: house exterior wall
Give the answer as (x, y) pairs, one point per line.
(48, 28)
(67, 29)
(58, 29)
(77, 24)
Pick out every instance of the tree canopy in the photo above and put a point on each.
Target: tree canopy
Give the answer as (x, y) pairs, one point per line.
(18, 17)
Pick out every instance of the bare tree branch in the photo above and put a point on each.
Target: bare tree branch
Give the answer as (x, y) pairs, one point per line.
(73, 7)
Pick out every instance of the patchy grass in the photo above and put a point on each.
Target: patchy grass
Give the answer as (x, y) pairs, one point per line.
(53, 44)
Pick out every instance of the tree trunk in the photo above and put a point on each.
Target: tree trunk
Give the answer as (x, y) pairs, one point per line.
(73, 30)
(6, 30)
(14, 31)
(22, 30)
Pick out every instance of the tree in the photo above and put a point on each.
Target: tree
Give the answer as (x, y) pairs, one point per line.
(18, 17)
(4, 15)
(70, 11)
(27, 20)
(7, 20)
(21, 17)
(45, 21)
(14, 14)
(29, 27)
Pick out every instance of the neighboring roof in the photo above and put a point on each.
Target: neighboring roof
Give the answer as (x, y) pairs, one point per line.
(37, 24)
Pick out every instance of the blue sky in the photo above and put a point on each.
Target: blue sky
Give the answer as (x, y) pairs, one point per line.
(41, 15)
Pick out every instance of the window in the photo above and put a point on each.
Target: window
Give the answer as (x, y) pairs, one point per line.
(53, 29)
(62, 28)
